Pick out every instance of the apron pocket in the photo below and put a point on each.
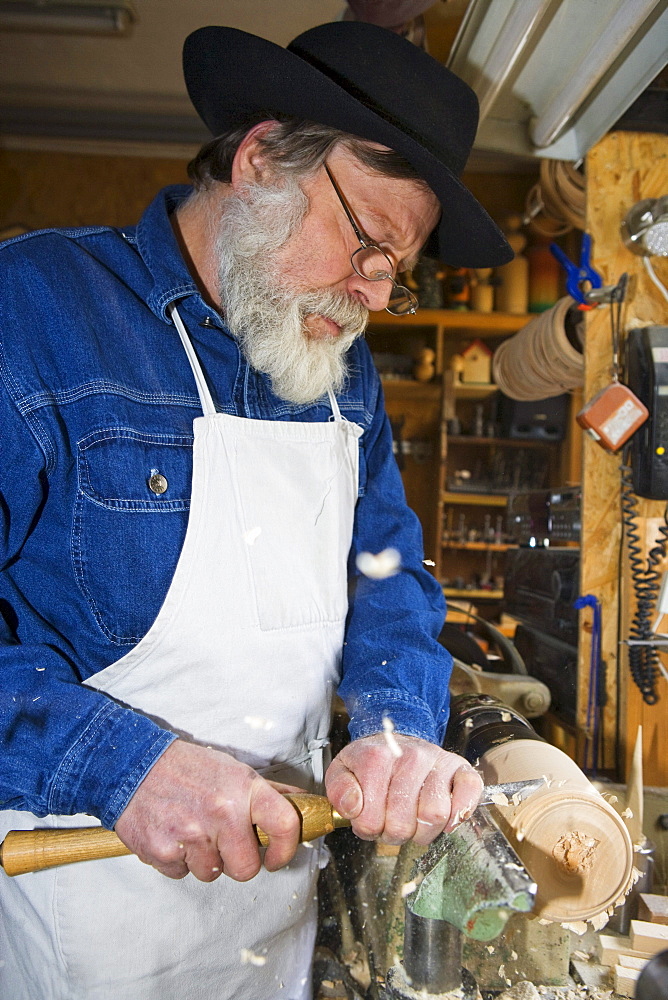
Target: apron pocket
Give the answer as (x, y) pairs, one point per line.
(301, 532)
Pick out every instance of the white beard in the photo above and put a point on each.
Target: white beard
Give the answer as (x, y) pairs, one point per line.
(267, 319)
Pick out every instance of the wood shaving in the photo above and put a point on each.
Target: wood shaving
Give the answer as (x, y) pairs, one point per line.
(500, 799)
(249, 957)
(578, 927)
(506, 716)
(379, 567)
(409, 887)
(627, 813)
(519, 836)
(491, 949)
(257, 722)
(599, 920)
(390, 738)
(520, 991)
(517, 798)
(468, 724)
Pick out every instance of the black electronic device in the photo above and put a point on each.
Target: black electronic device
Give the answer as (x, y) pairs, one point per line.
(553, 662)
(540, 587)
(538, 419)
(545, 517)
(565, 514)
(527, 517)
(647, 375)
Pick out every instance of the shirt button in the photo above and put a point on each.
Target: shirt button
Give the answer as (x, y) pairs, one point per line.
(157, 483)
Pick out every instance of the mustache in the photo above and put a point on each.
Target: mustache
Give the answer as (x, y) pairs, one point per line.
(348, 314)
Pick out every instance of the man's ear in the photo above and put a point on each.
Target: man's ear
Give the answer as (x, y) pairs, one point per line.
(250, 163)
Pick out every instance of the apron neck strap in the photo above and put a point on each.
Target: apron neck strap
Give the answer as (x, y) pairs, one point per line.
(334, 405)
(205, 397)
(202, 388)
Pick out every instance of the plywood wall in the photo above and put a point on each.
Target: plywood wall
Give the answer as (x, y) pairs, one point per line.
(41, 189)
(621, 169)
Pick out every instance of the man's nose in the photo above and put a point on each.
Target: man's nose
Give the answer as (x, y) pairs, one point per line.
(374, 295)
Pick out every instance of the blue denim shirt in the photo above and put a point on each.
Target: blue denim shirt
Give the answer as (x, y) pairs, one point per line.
(96, 392)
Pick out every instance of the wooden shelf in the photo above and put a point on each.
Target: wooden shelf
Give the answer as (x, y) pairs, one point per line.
(422, 410)
(475, 499)
(408, 388)
(478, 595)
(479, 546)
(472, 390)
(487, 324)
(502, 442)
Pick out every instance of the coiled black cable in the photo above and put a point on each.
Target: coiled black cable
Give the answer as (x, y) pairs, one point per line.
(643, 657)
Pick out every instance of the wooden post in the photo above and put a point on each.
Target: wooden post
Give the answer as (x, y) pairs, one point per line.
(621, 169)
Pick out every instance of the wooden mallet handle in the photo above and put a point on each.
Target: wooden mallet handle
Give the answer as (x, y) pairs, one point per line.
(33, 850)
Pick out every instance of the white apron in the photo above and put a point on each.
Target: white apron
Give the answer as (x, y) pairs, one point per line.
(244, 656)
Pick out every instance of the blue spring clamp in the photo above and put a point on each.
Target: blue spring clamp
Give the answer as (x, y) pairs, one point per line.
(578, 277)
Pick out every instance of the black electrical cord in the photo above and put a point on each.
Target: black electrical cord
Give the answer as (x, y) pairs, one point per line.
(646, 580)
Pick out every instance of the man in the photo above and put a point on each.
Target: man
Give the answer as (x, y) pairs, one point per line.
(195, 455)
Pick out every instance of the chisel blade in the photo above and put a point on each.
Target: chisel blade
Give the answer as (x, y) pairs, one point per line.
(514, 791)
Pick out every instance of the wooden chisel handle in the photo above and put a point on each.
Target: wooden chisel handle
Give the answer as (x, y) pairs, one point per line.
(32, 850)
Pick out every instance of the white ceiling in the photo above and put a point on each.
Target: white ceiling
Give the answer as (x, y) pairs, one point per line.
(129, 90)
(70, 82)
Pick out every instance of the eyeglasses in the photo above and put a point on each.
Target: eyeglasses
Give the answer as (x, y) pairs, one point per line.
(370, 262)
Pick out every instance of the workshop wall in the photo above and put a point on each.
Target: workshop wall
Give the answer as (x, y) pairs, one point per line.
(40, 189)
(621, 169)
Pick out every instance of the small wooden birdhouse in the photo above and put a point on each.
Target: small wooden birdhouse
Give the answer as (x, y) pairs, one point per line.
(477, 363)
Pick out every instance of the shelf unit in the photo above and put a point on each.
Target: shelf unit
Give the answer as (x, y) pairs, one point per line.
(422, 411)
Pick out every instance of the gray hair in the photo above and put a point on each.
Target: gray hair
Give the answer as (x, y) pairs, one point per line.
(298, 147)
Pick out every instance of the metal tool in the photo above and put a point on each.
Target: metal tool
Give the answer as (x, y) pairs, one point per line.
(469, 882)
(514, 791)
(32, 850)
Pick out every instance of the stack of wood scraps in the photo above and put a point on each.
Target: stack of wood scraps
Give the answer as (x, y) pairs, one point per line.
(627, 956)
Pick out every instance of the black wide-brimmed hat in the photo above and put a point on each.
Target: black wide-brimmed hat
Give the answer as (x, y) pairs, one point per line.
(368, 82)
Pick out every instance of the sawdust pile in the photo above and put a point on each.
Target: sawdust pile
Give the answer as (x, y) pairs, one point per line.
(574, 852)
(527, 991)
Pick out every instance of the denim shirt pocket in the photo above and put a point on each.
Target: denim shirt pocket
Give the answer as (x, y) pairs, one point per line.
(130, 522)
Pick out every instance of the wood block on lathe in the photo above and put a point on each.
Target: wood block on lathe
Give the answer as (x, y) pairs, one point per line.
(625, 980)
(653, 908)
(647, 937)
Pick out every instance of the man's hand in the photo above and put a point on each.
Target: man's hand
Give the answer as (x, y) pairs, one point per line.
(195, 809)
(415, 796)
